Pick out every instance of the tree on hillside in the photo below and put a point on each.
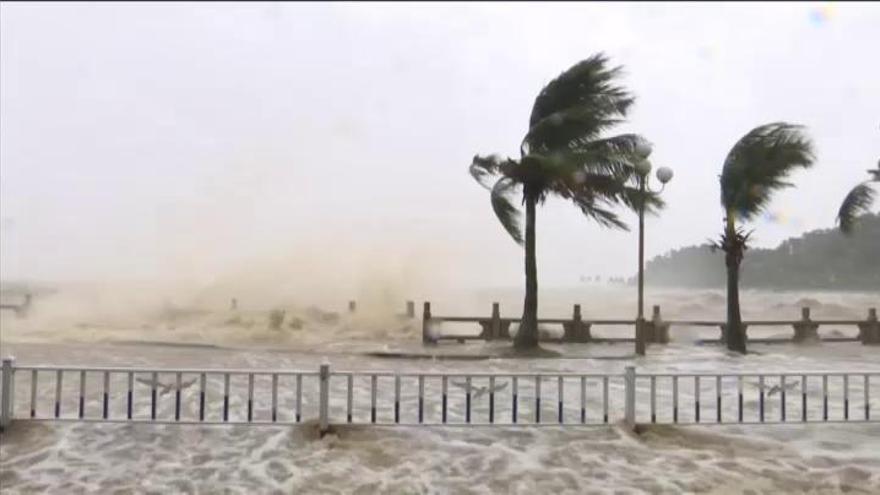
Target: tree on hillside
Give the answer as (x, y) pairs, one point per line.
(564, 154)
(756, 167)
(858, 201)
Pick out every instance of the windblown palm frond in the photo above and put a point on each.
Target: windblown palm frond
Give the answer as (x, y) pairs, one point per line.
(857, 202)
(578, 105)
(507, 214)
(759, 164)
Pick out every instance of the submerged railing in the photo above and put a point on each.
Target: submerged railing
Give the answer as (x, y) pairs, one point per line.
(283, 397)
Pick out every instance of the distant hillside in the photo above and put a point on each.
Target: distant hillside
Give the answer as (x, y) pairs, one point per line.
(820, 259)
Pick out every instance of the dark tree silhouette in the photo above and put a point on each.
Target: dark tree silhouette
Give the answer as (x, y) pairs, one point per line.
(564, 154)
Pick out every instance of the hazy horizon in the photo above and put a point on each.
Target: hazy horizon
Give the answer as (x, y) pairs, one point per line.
(328, 144)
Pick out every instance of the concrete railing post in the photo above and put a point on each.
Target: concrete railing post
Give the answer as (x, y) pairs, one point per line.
(352, 306)
(233, 304)
(805, 330)
(869, 330)
(661, 329)
(577, 330)
(427, 338)
(640, 336)
(630, 390)
(410, 309)
(324, 399)
(495, 329)
(7, 395)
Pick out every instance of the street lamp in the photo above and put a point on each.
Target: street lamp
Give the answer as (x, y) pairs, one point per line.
(664, 175)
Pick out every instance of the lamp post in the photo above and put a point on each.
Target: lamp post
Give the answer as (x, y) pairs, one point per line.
(664, 175)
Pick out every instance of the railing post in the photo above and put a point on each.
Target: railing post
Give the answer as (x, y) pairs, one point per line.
(661, 329)
(495, 326)
(640, 336)
(869, 330)
(233, 304)
(7, 394)
(352, 306)
(630, 389)
(577, 330)
(805, 330)
(324, 398)
(410, 309)
(426, 324)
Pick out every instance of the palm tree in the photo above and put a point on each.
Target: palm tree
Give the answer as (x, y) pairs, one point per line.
(858, 201)
(564, 154)
(757, 166)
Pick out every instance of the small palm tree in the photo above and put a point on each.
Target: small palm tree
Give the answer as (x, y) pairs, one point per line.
(757, 166)
(858, 202)
(564, 154)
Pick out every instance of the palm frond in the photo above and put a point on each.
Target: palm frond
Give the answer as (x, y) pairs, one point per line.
(579, 103)
(484, 168)
(759, 164)
(593, 208)
(857, 202)
(507, 214)
(875, 173)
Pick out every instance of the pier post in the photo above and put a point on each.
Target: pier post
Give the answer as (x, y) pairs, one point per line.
(805, 330)
(426, 324)
(7, 395)
(869, 330)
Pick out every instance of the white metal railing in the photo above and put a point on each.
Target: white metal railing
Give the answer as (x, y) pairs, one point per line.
(249, 396)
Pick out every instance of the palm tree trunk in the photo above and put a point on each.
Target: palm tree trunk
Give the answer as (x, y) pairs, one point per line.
(735, 333)
(527, 335)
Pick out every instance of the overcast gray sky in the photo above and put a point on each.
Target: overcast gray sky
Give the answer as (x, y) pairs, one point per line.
(146, 140)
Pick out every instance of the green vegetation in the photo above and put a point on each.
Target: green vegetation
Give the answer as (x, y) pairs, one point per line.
(818, 260)
(563, 154)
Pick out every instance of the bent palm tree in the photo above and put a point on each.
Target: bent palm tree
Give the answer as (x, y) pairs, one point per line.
(757, 166)
(563, 154)
(858, 202)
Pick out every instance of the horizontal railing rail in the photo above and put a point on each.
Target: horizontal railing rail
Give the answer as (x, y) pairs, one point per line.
(413, 398)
